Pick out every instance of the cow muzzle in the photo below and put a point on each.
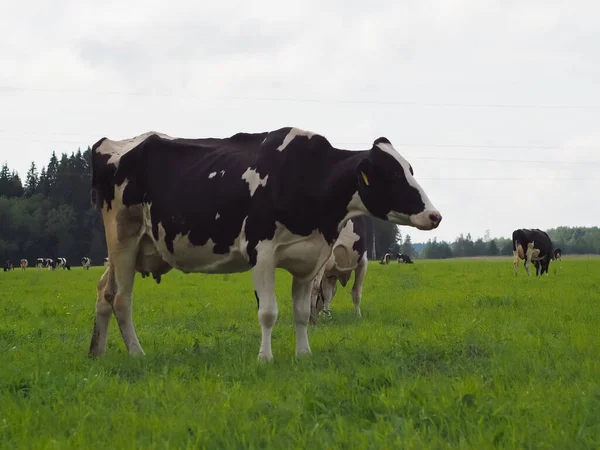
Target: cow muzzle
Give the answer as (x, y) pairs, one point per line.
(426, 220)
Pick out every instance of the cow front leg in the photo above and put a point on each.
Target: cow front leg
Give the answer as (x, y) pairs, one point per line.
(359, 277)
(124, 270)
(301, 290)
(263, 278)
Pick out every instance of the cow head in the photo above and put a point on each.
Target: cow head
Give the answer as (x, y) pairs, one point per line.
(389, 190)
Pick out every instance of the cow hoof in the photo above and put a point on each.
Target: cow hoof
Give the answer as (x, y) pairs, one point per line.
(137, 352)
(303, 353)
(265, 358)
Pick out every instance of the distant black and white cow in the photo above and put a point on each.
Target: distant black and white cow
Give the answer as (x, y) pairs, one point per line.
(402, 258)
(349, 254)
(249, 202)
(40, 263)
(385, 259)
(106, 261)
(62, 263)
(23, 264)
(557, 254)
(8, 266)
(532, 245)
(86, 262)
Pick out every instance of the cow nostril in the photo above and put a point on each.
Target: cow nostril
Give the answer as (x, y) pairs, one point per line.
(436, 218)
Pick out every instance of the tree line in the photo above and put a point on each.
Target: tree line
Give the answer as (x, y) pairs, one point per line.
(50, 213)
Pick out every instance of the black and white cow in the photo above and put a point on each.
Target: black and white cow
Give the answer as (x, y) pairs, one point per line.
(349, 254)
(557, 254)
(402, 258)
(40, 263)
(23, 264)
(532, 245)
(249, 202)
(8, 265)
(106, 261)
(385, 259)
(86, 262)
(61, 263)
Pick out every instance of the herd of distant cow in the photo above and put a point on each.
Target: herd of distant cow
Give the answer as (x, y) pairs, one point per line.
(50, 263)
(254, 202)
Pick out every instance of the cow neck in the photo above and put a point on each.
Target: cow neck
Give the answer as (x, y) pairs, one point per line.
(340, 193)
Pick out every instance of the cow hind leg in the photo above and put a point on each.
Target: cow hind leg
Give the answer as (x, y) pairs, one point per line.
(263, 278)
(516, 262)
(301, 290)
(359, 276)
(104, 308)
(124, 269)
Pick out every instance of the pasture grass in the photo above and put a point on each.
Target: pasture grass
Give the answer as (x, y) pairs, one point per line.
(448, 354)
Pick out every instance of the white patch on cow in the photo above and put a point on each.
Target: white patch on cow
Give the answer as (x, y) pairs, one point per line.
(254, 180)
(303, 256)
(344, 258)
(116, 149)
(212, 174)
(291, 135)
(217, 216)
(200, 258)
(355, 208)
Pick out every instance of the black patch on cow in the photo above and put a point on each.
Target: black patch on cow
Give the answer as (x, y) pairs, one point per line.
(387, 189)
(360, 228)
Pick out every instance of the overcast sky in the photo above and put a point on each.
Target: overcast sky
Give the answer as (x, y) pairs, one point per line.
(463, 89)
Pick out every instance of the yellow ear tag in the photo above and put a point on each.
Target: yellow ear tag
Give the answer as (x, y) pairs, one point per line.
(365, 178)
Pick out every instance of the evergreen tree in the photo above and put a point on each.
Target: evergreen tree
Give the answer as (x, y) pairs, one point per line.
(492, 249)
(43, 186)
(32, 181)
(407, 247)
(5, 180)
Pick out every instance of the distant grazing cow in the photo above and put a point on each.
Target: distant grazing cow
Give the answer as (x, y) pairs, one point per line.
(402, 258)
(349, 254)
(40, 263)
(8, 266)
(86, 262)
(532, 245)
(23, 264)
(385, 259)
(557, 254)
(49, 263)
(106, 261)
(249, 202)
(62, 263)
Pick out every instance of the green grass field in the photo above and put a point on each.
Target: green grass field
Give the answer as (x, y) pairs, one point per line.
(448, 354)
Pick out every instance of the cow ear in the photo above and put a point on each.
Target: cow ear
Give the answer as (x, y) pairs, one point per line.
(365, 173)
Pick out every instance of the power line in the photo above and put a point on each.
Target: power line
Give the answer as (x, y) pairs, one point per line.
(8, 88)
